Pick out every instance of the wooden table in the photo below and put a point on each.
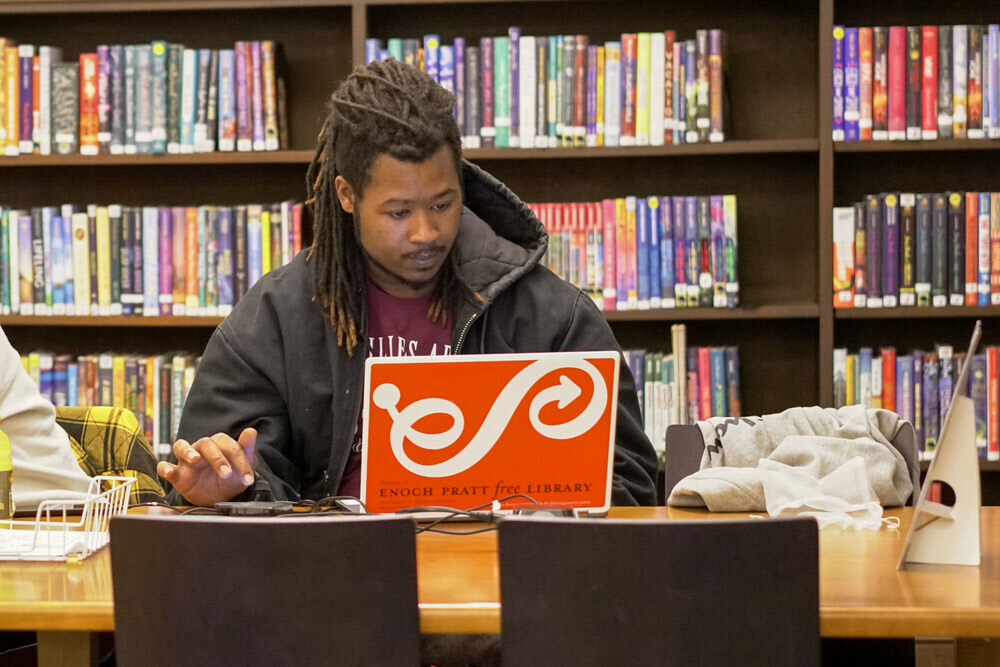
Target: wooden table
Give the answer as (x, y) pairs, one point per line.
(861, 593)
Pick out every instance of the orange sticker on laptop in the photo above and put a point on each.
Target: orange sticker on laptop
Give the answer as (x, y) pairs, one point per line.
(460, 431)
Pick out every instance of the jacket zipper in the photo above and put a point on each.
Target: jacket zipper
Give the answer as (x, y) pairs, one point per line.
(465, 330)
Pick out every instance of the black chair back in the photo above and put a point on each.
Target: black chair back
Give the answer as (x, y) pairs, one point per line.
(617, 592)
(270, 591)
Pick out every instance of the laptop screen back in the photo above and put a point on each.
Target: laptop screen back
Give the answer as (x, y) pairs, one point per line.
(460, 431)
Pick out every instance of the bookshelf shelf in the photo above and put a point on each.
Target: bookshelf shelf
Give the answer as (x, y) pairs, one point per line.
(916, 146)
(803, 311)
(722, 148)
(916, 313)
(107, 321)
(248, 158)
(304, 156)
(112, 6)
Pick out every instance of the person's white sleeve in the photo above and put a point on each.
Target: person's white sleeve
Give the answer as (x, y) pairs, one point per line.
(44, 464)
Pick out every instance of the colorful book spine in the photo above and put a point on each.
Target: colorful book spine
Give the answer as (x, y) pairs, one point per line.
(956, 244)
(929, 82)
(227, 101)
(88, 104)
(914, 79)
(873, 251)
(907, 251)
(488, 130)
(984, 249)
(680, 252)
(501, 91)
(971, 248)
(256, 77)
(897, 83)
(960, 80)
(843, 257)
(269, 78)
(945, 91)
(880, 84)
(851, 97)
(974, 95)
(629, 55)
(940, 256)
(666, 232)
(922, 258)
(159, 100)
(144, 98)
(244, 122)
(642, 241)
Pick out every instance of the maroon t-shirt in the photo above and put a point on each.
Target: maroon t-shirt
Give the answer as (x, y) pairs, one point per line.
(396, 328)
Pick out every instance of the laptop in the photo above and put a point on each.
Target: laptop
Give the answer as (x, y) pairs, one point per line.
(464, 431)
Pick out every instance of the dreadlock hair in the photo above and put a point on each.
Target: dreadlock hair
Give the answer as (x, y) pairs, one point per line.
(383, 108)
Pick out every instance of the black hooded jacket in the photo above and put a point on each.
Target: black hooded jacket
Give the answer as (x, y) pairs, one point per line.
(274, 363)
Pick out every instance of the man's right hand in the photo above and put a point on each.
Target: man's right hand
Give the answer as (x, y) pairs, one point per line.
(214, 469)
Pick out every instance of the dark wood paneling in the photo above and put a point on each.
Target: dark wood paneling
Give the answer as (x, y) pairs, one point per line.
(90, 340)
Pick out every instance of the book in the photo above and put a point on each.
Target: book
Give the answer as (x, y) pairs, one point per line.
(907, 251)
(897, 83)
(956, 244)
(922, 249)
(880, 84)
(843, 257)
(945, 96)
(865, 76)
(890, 250)
(960, 80)
(849, 97)
(914, 82)
(929, 82)
(65, 107)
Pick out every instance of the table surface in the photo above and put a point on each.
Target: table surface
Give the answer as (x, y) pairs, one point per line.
(861, 593)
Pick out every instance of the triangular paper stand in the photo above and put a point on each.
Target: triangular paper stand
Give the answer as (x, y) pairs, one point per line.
(938, 533)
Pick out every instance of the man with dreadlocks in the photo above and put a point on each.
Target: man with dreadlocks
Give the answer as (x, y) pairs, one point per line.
(415, 251)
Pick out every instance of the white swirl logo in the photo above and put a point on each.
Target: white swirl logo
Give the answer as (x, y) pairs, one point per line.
(387, 397)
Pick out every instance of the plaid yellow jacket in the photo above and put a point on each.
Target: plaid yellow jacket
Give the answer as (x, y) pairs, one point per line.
(108, 441)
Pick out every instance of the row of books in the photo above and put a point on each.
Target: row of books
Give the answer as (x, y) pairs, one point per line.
(918, 386)
(917, 250)
(916, 82)
(684, 385)
(132, 260)
(531, 91)
(159, 97)
(152, 387)
(641, 253)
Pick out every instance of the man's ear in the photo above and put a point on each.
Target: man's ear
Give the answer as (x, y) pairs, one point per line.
(345, 193)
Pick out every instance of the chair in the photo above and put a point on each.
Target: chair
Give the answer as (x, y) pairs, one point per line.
(109, 441)
(220, 591)
(617, 592)
(685, 446)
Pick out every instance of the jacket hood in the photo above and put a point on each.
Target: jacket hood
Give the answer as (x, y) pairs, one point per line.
(499, 238)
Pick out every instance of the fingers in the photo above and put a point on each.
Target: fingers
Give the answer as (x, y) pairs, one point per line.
(226, 457)
(185, 452)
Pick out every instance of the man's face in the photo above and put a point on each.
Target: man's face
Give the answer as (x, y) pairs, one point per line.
(406, 221)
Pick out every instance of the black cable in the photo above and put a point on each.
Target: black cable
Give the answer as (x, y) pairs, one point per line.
(484, 529)
(201, 510)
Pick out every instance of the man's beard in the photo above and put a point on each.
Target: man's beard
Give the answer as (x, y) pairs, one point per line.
(415, 285)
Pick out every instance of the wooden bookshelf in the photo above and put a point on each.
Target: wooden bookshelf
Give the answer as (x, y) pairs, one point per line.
(778, 159)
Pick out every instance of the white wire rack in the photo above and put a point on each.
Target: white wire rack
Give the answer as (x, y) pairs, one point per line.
(58, 534)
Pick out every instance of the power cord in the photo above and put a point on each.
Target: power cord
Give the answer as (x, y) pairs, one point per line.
(472, 513)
